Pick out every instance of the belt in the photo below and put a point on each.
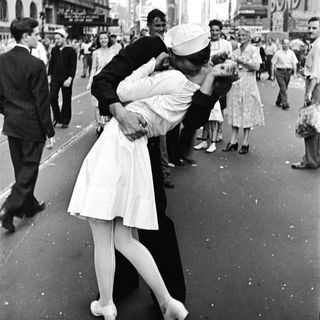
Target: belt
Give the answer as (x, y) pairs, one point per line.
(286, 69)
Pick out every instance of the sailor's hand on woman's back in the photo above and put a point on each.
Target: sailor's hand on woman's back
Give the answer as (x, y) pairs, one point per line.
(131, 124)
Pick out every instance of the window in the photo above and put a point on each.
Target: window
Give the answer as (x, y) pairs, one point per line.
(19, 9)
(33, 11)
(3, 10)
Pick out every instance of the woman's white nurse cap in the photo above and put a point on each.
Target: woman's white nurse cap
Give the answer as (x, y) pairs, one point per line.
(186, 39)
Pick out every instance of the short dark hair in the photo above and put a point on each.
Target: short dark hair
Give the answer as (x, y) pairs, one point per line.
(216, 22)
(199, 58)
(22, 25)
(155, 13)
(314, 19)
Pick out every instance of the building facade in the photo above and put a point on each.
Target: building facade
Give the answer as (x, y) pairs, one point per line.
(251, 13)
(292, 15)
(78, 16)
(12, 9)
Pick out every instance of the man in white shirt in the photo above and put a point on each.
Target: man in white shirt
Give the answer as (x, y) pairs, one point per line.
(284, 64)
(40, 52)
(311, 159)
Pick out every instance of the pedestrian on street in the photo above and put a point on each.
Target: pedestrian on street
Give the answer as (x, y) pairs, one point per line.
(162, 244)
(115, 163)
(61, 72)
(106, 50)
(284, 65)
(244, 105)
(157, 26)
(311, 159)
(220, 51)
(40, 52)
(25, 103)
(270, 51)
(86, 56)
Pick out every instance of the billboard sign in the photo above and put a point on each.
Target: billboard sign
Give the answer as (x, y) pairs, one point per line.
(82, 19)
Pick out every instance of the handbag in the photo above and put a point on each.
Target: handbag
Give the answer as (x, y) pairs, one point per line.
(308, 122)
(216, 114)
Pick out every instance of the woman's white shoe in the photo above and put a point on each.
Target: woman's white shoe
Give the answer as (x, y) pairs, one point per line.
(212, 147)
(201, 145)
(109, 312)
(175, 310)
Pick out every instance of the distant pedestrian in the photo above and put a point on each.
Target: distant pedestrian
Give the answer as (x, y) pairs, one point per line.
(284, 64)
(86, 56)
(40, 52)
(220, 51)
(61, 72)
(106, 50)
(311, 159)
(244, 105)
(25, 102)
(270, 50)
(258, 43)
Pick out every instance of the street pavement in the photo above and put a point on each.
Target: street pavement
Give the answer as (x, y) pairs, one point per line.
(248, 229)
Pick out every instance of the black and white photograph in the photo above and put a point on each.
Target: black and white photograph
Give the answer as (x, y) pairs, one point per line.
(160, 159)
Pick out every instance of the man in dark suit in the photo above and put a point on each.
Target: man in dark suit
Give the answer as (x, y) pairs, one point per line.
(162, 243)
(25, 104)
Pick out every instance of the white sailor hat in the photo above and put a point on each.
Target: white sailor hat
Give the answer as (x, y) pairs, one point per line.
(62, 32)
(186, 39)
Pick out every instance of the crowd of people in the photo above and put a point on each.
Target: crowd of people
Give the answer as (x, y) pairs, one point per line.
(163, 78)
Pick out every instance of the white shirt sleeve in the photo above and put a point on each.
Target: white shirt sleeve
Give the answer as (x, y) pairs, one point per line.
(274, 58)
(140, 85)
(315, 68)
(229, 48)
(42, 53)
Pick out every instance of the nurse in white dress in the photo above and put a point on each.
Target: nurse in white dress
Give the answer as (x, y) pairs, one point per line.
(114, 189)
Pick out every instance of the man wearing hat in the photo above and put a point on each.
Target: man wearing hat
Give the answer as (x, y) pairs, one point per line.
(162, 243)
(162, 99)
(61, 72)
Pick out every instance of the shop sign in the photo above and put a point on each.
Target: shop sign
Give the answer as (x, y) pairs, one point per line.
(83, 19)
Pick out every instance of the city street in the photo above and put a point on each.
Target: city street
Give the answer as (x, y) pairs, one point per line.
(247, 225)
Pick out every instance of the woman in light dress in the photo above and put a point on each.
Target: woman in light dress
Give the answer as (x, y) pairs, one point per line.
(114, 189)
(244, 107)
(101, 57)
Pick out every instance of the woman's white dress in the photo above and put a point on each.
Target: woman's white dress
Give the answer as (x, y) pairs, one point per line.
(244, 107)
(115, 179)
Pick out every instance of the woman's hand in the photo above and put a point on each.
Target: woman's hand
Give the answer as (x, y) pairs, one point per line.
(88, 87)
(224, 69)
(162, 61)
